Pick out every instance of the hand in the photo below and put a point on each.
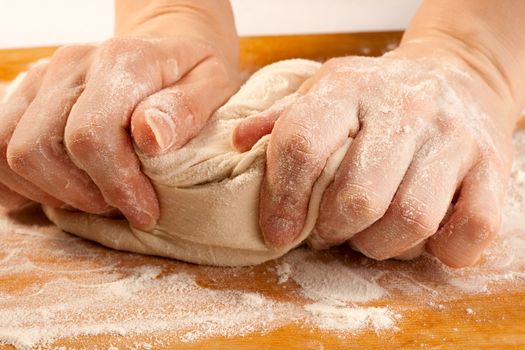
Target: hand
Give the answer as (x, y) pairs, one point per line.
(429, 131)
(64, 136)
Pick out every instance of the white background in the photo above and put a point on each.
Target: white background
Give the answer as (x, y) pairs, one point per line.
(26, 23)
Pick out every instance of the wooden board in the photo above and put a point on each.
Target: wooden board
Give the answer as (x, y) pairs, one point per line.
(255, 51)
(436, 315)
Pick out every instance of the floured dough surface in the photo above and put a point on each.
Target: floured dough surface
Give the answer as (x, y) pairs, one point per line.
(208, 191)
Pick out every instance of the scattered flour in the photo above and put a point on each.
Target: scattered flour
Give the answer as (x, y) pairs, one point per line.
(54, 286)
(344, 319)
(331, 282)
(283, 272)
(335, 290)
(70, 288)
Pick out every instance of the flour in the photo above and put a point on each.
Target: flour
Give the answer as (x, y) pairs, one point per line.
(331, 282)
(55, 287)
(469, 311)
(336, 318)
(138, 302)
(335, 290)
(159, 301)
(283, 272)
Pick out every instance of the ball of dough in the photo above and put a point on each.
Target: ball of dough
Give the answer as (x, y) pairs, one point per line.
(208, 191)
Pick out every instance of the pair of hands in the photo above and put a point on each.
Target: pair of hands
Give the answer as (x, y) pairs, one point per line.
(427, 132)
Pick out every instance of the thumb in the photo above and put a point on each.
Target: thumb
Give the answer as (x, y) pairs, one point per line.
(172, 116)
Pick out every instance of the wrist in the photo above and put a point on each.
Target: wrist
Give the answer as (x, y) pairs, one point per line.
(209, 21)
(482, 36)
(468, 70)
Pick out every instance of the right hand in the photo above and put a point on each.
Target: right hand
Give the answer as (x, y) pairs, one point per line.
(428, 132)
(64, 136)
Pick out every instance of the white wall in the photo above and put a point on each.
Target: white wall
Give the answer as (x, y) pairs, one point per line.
(52, 22)
(321, 16)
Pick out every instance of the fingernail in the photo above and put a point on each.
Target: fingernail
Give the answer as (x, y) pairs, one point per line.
(144, 221)
(162, 127)
(279, 231)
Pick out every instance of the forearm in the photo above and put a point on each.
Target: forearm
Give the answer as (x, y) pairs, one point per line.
(208, 20)
(488, 35)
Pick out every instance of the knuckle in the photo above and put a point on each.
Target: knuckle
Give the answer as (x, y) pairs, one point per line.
(452, 128)
(187, 104)
(114, 47)
(117, 45)
(81, 141)
(174, 101)
(360, 205)
(39, 66)
(482, 227)
(125, 55)
(297, 148)
(416, 217)
(334, 62)
(68, 53)
(21, 157)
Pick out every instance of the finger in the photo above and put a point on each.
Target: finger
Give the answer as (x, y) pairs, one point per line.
(171, 117)
(302, 140)
(11, 111)
(96, 134)
(36, 150)
(11, 200)
(301, 79)
(246, 134)
(422, 199)
(365, 182)
(476, 218)
(251, 129)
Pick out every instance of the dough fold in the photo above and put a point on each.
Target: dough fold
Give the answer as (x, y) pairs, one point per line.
(208, 191)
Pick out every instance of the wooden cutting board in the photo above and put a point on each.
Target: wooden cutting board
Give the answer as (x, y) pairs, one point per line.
(436, 307)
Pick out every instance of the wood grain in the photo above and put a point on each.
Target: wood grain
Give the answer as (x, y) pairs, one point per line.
(260, 51)
(14, 61)
(499, 326)
(500, 316)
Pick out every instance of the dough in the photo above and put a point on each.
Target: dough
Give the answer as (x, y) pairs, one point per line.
(208, 191)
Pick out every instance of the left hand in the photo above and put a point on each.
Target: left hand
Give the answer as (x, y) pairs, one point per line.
(427, 129)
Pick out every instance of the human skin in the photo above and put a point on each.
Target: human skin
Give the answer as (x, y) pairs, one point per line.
(67, 132)
(432, 123)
